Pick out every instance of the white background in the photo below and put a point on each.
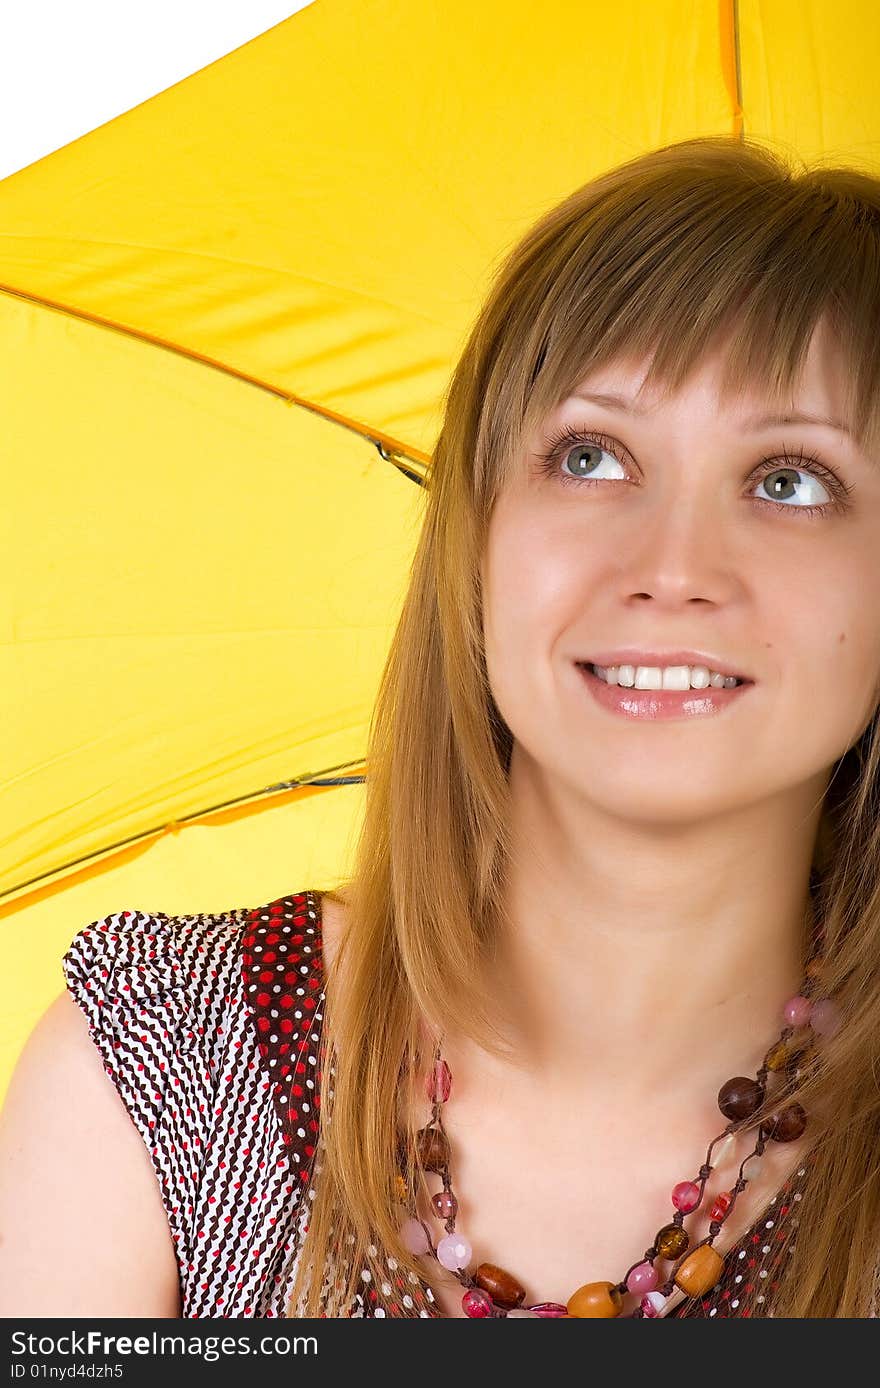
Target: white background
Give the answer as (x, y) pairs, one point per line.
(67, 66)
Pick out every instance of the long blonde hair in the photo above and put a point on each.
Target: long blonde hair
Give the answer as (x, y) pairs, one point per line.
(652, 257)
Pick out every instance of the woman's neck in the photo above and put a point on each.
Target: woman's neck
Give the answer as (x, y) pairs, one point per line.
(644, 958)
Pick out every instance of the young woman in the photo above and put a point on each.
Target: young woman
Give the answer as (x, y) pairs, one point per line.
(593, 1028)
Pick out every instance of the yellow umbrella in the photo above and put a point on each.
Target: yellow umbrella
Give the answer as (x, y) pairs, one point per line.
(227, 319)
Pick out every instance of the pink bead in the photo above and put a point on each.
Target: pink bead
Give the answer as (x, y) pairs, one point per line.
(642, 1279)
(653, 1304)
(797, 1011)
(686, 1196)
(439, 1084)
(549, 1308)
(445, 1204)
(825, 1017)
(413, 1237)
(454, 1252)
(476, 1302)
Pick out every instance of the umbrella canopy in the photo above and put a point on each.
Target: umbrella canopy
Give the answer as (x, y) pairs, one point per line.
(227, 319)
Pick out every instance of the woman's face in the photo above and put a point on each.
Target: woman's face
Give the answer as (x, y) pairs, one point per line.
(682, 539)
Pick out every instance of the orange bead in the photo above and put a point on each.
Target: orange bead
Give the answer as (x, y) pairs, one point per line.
(700, 1271)
(600, 1300)
(402, 1192)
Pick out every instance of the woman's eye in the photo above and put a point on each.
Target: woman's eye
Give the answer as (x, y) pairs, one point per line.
(783, 484)
(809, 490)
(584, 461)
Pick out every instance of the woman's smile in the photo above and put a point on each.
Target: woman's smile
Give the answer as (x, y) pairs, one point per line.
(653, 704)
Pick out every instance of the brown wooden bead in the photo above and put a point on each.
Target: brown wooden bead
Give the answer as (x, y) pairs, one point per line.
(432, 1145)
(595, 1300)
(700, 1271)
(814, 969)
(786, 1124)
(502, 1286)
(740, 1097)
(671, 1241)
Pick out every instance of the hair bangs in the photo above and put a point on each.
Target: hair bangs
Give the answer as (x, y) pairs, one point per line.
(658, 282)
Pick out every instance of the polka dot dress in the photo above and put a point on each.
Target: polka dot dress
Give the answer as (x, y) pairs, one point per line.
(209, 1027)
(206, 1026)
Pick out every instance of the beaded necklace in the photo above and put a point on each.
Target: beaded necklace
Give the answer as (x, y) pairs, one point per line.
(490, 1291)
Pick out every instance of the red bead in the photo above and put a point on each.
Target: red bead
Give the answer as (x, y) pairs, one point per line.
(439, 1084)
(476, 1302)
(445, 1204)
(719, 1209)
(686, 1196)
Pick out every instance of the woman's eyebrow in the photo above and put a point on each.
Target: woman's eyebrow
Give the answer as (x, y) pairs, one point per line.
(769, 421)
(755, 422)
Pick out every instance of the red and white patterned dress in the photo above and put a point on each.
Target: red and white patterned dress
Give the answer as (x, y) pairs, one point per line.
(209, 1026)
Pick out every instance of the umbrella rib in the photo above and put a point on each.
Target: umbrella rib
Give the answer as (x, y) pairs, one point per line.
(737, 53)
(333, 776)
(731, 63)
(390, 449)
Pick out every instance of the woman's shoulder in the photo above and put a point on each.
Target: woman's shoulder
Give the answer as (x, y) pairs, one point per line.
(165, 993)
(132, 955)
(209, 1026)
(282, 968)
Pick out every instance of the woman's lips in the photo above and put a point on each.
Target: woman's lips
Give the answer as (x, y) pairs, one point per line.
(654, 704)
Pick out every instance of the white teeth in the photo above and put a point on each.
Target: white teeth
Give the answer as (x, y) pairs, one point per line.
(667, 677)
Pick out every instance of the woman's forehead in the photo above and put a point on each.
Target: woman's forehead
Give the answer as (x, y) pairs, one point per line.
(626, 383)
